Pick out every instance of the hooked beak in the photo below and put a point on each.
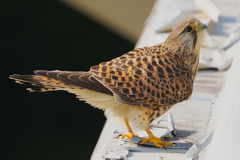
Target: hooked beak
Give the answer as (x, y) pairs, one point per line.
(201, 26)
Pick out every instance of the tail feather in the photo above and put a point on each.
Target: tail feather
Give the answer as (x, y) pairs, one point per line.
(42, 83)
(60, 80)
(43, 89)
(25, 79)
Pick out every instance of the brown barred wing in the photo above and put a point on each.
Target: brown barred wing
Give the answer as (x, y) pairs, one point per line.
(149, 81)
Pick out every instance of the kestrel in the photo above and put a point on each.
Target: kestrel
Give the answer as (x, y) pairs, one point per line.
(138, 86)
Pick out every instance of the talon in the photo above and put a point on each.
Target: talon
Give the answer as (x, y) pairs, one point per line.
(156, 141)
(129, 136)
(164, 148)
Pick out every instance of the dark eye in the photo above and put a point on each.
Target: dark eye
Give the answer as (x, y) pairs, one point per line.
(189, 28)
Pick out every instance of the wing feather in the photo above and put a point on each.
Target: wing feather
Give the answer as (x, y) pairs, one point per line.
(150, 80)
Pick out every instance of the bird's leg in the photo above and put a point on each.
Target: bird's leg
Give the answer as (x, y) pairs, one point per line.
(130, 132)
(156, 141)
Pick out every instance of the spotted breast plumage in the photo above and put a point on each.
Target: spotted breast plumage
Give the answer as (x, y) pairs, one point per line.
(138, 86)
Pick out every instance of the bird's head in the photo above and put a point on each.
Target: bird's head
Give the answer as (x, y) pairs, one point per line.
(186, 38)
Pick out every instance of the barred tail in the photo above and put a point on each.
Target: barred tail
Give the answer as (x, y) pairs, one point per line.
(42, 83)
(60, 80)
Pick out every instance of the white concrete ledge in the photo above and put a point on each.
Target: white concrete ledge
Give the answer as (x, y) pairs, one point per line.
(226, 137)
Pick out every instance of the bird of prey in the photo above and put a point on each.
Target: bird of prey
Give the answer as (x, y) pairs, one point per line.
(138, 86)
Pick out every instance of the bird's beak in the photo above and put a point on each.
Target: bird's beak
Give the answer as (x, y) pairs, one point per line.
(201, 26)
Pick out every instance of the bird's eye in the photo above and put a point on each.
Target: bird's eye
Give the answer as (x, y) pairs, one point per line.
(189, 28)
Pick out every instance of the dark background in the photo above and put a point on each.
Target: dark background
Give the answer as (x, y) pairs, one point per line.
(49, 35)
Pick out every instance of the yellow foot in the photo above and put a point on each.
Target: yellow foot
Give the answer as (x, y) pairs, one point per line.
(157, 142)
(130, 132)
(129, 136)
